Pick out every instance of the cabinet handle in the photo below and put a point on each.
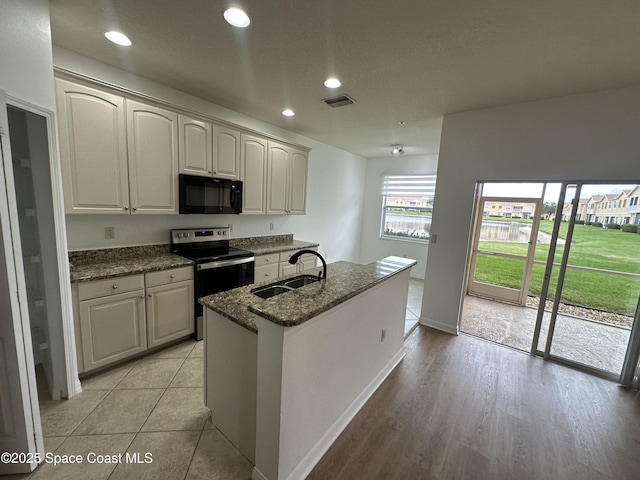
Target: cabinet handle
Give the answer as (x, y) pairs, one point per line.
(172, 276)
(125, 208)
(149, 295)
(115, 287)
(135, 208)
(141, 297)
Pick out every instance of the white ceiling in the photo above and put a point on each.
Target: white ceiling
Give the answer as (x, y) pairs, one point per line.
(401, 60)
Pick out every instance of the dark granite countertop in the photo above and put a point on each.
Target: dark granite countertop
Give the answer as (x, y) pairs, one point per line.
(117, 262)
(270, 244)
(344, 280)
(98, 264)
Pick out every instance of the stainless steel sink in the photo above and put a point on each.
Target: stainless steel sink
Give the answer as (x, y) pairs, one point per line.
(301, 281)
(271, 291)
(284, 286)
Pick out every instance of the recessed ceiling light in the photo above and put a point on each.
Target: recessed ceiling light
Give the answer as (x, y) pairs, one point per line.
(237, 17)
(118, 38)
(288, 113)
(332, 83)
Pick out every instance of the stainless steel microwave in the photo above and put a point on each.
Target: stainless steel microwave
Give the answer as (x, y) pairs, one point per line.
(209, 195)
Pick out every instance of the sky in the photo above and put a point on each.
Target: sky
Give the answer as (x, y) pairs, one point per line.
(552, 191)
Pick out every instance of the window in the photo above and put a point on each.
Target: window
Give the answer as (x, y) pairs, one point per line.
(407, 204)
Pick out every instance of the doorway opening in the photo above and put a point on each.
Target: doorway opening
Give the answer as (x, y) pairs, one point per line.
(554, 270)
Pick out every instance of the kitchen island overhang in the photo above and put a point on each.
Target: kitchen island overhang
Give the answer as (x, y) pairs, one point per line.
(284, 395)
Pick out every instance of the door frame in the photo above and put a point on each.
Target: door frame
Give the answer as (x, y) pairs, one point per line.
(518, 297)
(19, 406)
(73, 386)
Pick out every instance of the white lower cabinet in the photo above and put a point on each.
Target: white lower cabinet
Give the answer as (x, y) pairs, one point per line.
(170, 313)
(113, 325)
(305, 262)
(119, 318)
(276, 265)
(266, 267)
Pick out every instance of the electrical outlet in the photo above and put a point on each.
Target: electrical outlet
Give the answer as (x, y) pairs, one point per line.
(271, 226)
(230, 227)
(109, 233)
(383, 334)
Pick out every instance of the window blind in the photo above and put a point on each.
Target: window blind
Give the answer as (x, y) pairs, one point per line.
(423, 185)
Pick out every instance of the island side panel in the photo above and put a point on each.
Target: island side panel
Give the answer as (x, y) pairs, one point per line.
(230, 380)
(330, 367)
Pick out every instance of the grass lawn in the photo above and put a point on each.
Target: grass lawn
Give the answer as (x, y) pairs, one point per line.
(593, 247)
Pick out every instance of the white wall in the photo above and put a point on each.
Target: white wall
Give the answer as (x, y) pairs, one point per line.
(582, 137)
(334, 189)
(372, 247)
(25, 57)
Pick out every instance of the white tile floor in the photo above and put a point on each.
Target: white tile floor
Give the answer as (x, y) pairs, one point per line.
(153, 405)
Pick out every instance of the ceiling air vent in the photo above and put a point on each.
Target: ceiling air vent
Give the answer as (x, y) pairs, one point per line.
(341, 101)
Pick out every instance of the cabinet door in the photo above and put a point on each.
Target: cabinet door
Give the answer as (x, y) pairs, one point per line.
(93, 149)
(195, 141)
(266, 272)
(307, 264)
(112, 328)
(277, 181)
(170, 312)
(153, 158)
(253, 173)
(297, 200)
(226, 152)
(286, 268)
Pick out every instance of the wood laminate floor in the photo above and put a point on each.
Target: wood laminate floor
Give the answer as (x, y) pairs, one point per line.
(463, 408)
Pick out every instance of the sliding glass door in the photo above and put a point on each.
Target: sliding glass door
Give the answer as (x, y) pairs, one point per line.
(591, 281)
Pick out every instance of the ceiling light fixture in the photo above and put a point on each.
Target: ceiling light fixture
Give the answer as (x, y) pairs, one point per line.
(332, 83)
(397, 150)
(236, 17)
(118, 38)
(288, 113)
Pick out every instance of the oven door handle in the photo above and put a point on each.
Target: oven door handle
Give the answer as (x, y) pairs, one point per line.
(224, 263)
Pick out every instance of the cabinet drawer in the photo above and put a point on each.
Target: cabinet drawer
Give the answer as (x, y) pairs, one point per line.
(164, 277)
(266, 259)
(266, 272)
(110, 286)
(285, 256)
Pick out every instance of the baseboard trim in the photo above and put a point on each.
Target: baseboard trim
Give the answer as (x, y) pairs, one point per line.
(319, 449)
(445, 327)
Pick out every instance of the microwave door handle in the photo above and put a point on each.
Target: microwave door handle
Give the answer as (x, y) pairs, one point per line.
(232, 196)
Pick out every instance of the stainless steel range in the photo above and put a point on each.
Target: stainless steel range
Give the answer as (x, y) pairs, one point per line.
(218, 267)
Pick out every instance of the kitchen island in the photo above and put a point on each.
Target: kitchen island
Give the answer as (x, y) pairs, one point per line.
(285, 375)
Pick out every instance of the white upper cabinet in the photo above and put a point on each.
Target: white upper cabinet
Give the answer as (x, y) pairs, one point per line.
(93, 148)
(118, 155)
(277, 181)
(121, 155)
(226, 152)
(196, 146)
(253, 173)
(286, 180)
(298, 165)
(153, 158)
